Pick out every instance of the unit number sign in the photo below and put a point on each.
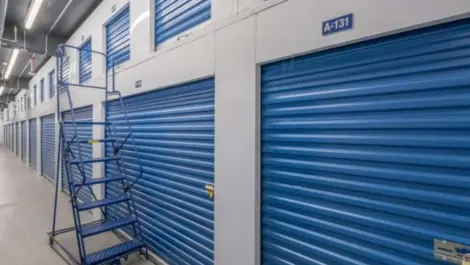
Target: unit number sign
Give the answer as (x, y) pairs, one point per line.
(337, 24)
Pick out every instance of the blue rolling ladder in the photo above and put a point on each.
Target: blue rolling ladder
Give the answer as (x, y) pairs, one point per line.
(73, 157)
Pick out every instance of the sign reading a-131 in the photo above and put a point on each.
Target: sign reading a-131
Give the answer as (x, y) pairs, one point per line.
(338, 24)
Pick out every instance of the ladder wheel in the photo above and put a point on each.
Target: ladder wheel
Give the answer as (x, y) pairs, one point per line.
(51, 241)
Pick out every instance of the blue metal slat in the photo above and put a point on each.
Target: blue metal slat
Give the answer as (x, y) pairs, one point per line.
(41, 83)
(65, 71)
(85, 132)
(118, 38)
(365, 150)
(17, 138)
(85, 62)
(174, 133)
(48, 157)
(173, 17)
(33, 145)
(23, 140)
(52, 83)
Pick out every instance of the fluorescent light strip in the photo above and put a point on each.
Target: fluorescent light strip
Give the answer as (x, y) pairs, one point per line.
(11, 63)
(33, 12)
(1, 90)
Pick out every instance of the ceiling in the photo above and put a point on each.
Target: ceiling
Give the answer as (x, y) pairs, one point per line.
(32, 43)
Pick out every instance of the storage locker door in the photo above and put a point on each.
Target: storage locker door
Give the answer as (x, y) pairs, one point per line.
(175, 17)
(118, 42)
(366, 151)
(85, 132)
(52, 84)
(85, 62)
(65, 71)
(33, 143)
(47, 147)
(174, 133)
(41, 84)
(17, 138)
(23, 140)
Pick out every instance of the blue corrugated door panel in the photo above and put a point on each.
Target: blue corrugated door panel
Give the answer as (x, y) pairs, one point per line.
(23, 140)
(365, 151)
(85, 62)
(48, 147)
(118, 42)
(174, 133)
(17, 133)
(41, 83)
(33, 143)
(65, 71)
(85, 132)
(174, 17)
(52, 84)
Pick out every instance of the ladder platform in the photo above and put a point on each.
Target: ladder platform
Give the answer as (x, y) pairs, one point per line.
(94, 229)
(95, 181)
(114, 252)
(87, 122)
(93, 141)
(100, 203)
(94, 160)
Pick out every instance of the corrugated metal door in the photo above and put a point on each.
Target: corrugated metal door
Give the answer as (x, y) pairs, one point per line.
(23, 140)
(174, 132)
(41, 84)
(366, 151)
(175, 17)
(65, 71)
(52, 84)
(118, 42)
(17, 139)
(85, 62)
(85, 132)
(33, 145)
(48, 147)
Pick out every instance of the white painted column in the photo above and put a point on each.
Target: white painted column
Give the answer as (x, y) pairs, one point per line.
(236, 146)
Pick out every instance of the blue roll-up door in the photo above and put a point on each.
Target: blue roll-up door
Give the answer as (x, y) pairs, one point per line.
(41, 84)
(52, 84)
(85, 132)
(174, 133)
(33, 145)
(35, 95)
(48, 147)
(23, 140)
(17, 139)
(118, 42)
(175, 17)
(85, 62)
(365, 151)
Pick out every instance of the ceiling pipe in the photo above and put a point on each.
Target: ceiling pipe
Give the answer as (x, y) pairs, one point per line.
(3, 17)
(22, 71)
(55, 23)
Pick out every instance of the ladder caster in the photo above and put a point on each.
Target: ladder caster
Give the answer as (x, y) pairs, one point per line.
(51, 241)
(116, 262)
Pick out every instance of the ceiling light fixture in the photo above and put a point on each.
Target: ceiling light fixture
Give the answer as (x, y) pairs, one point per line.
(1, 90)
(33, 11)
(11, 63)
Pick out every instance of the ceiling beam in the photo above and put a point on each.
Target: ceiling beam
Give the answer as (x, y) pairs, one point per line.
(35, 42)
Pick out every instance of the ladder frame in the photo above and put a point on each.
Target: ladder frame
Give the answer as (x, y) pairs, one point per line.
(63, 158)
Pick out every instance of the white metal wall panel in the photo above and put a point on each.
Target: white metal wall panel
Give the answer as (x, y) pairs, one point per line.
(365, 151)
(174, 133)
(85, 133)
(33, 145)
(48, 163)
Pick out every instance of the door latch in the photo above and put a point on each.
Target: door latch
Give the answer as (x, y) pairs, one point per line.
(210, 191)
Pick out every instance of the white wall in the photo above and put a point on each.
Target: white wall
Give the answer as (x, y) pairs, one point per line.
(242, 35)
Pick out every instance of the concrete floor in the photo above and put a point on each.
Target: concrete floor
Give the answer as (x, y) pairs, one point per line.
(26, 206)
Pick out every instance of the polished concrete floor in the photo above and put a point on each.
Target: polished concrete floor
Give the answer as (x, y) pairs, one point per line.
(26, 206)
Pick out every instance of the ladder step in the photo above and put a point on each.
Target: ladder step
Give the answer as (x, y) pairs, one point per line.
(95, 160)
(114, 252)
(94, 229)
(93, 141)
(87, 123)
(94, 181)
(101, 203)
